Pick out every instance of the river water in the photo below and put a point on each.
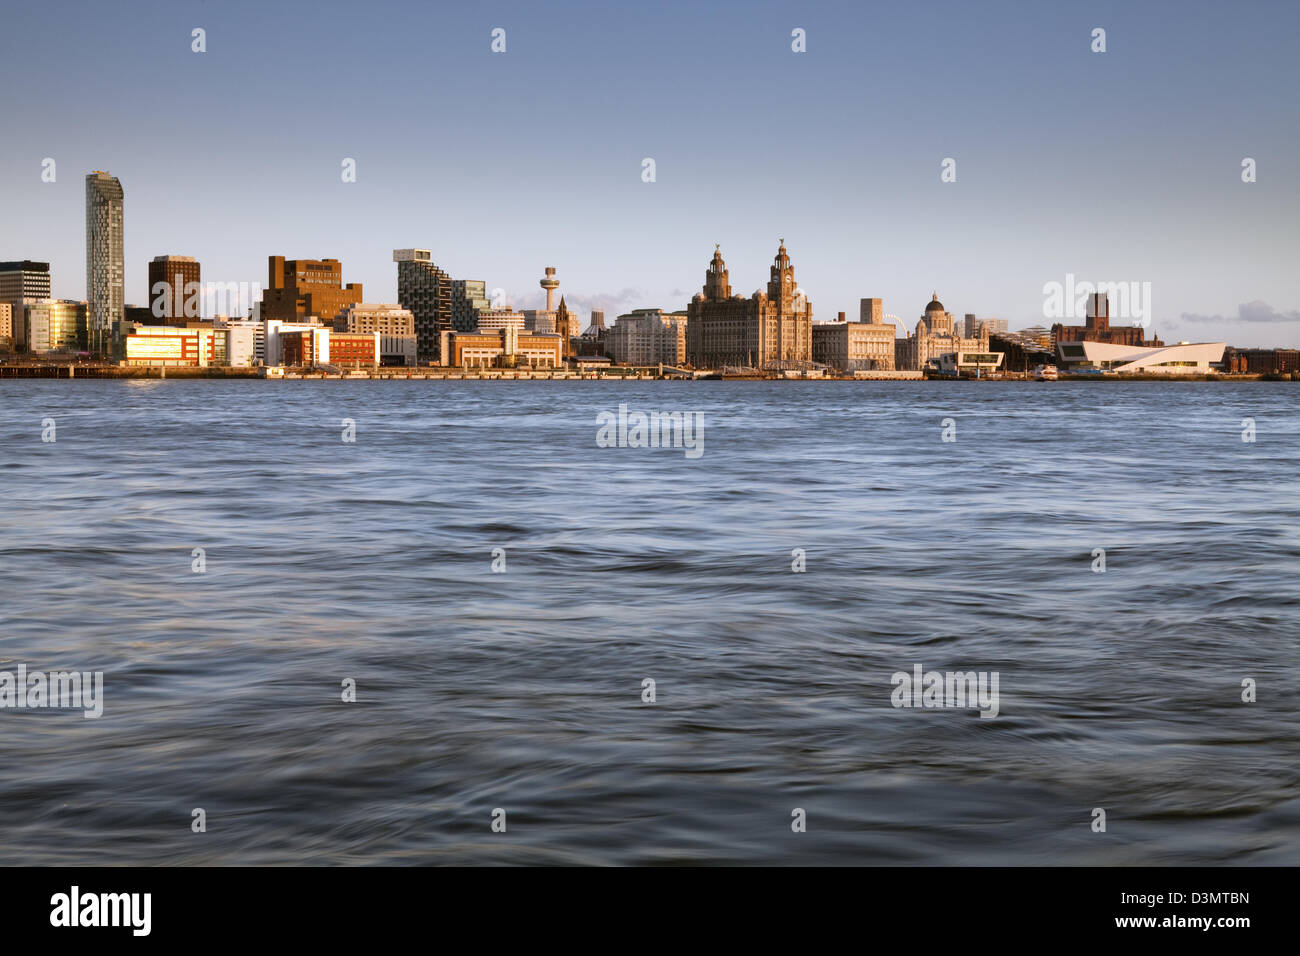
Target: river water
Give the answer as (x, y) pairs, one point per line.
(327, 561)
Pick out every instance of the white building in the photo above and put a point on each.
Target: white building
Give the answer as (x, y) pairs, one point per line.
(1185, 358)
(271, 330)
(248, 335)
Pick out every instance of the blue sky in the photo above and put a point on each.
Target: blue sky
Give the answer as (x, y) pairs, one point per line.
(1115, 166)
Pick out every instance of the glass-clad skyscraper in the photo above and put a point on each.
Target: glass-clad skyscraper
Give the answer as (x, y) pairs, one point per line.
(104, 258)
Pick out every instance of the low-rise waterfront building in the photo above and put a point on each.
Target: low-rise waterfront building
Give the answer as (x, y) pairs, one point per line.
(174, 347)
(395, 325)
(1262, 361)
(55, 325)
(1185, 358)
(865, 345)
(504, 348)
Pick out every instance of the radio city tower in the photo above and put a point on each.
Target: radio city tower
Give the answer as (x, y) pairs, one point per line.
(550, 284)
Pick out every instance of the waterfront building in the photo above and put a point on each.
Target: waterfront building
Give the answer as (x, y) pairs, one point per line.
(865, 345)
(936, 334)
(395, 325)
(505, 348)
(198, 345)
(647, 337)
(105, 264)
(768, 330)
(1097, 328)
(298, 288)
(1022, 351)
(249, 330)
(274, 329)
(493, 320)
(1262, 361)
(175, 289)
(427, 291)
(389, 319)
(6, 326)
(968, 364)
(174, 347)
(21, 282)
(1185, 358)
(55, 325)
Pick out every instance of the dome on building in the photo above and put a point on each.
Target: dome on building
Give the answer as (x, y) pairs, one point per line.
(935, 305)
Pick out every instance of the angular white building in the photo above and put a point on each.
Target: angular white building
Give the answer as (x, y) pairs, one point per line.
(1185, 358)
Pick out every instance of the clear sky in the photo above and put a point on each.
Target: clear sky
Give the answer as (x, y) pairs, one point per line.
(1115, 166)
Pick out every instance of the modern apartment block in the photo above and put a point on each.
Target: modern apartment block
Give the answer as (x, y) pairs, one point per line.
(647, 337)
(382, 317)
(105, 264)
(175, 289)
(469, 300)
(768, 330)
(394, 324)
(298, 288)
(6, 326)
(427, 291)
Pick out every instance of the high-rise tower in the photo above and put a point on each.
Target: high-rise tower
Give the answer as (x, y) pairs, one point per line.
(427, 291)
(104, 258)
(550, 284)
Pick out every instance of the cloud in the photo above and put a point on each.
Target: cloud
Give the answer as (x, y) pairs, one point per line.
(612, 303)
(1252, 312)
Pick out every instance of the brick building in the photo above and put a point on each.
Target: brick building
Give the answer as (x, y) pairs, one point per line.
(297, 288)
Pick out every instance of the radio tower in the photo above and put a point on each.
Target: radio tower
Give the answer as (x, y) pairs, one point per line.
(550, 284)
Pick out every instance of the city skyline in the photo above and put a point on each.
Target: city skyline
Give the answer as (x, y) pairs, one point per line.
(1093, 187)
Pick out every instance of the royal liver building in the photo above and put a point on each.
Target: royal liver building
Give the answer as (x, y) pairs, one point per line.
(767, 330)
